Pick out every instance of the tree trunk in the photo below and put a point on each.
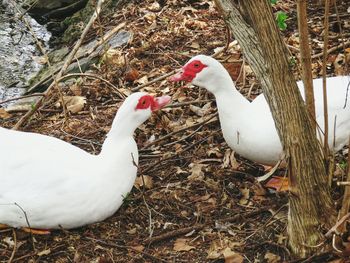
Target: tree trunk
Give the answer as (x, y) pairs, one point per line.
(310, 202)
(305, 57)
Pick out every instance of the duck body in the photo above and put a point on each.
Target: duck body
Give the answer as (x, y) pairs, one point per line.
(248, 127)
(46, 183)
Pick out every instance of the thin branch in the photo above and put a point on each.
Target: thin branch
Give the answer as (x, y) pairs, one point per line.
(324, 76)
(173, 233)
(180, 130)
(332, 49)
(305, 56)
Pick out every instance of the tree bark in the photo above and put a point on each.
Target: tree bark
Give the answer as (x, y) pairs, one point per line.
(305, 57)
(310, 203)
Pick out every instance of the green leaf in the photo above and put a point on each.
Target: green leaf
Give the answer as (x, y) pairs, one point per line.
(273, 2)
(281, 18)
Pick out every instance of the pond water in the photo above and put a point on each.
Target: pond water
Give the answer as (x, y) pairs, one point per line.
(19, 55)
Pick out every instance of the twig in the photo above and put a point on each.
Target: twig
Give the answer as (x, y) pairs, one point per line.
(125, 247)
(173, 233)
(64, 67)
(324, 77)
(93, 76)
(338, 224)
(180, 130)
(153, 81)
(332, 49)
(174, 71)
(346, 183)
(186, 137)
(187, 103)
(149, 168)
(27, 221)
(14, 246)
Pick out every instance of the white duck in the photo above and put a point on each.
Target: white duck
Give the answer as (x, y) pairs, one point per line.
(248, 127)
(59, 185)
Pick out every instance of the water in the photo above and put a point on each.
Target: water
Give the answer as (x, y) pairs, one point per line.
(18, 52)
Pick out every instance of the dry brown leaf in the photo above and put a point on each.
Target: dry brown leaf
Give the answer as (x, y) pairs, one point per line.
(154, 7)
(281, 239)
(74, 104)
(195, 45)
(114, 57)
(201, 111)
(231, 256)
(181, 244)
(180, 171)
(139, 248)
(150, 17)
(146, 179)
(76, 89)
(196, 172)
(245, 196)
(338, 63)
(4, 114)
(272, 258)
(44, 252)
(230, 160)
(131, 75)
(143, 80)
(131, 231)
(280, 184)
(214, 151)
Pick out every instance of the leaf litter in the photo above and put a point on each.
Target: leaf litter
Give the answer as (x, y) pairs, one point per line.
(194, 200)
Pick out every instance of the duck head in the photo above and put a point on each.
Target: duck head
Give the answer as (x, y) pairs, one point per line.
(203, 71)
(137, 108)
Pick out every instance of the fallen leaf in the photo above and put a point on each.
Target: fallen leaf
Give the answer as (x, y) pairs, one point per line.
(280, 184)
(155, 7)
(139, 248)
(131, 75)
(281, 239)
(76, 89)
(196, 172)
(147, 180)
(114, 57)
(231, 256)
(9, 241)
(4, 114)
(143, 80)
(181, 245)
(74, 104)
(272, 258)
(44, 252)
(201, 111)
(131, 231)
(150, 17)
(245, 196)
(230, 160)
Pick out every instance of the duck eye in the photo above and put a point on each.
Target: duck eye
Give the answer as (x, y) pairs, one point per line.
(196, 65)
(143, 102)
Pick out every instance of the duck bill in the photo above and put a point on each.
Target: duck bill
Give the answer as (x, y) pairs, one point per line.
(182, 75)
(177, 77)
(160, 102)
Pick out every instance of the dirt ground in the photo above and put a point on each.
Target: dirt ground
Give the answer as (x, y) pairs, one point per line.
(197, 201)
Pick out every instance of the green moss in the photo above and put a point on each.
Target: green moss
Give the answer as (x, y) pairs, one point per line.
(77, 22)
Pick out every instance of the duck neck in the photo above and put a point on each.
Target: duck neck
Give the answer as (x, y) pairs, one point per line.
(122, 130)
(230, 102)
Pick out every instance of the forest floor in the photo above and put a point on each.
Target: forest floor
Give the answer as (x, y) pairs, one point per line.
(199, 202)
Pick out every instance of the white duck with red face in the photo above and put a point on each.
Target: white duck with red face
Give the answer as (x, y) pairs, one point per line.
(248, 127)
(59, 185)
